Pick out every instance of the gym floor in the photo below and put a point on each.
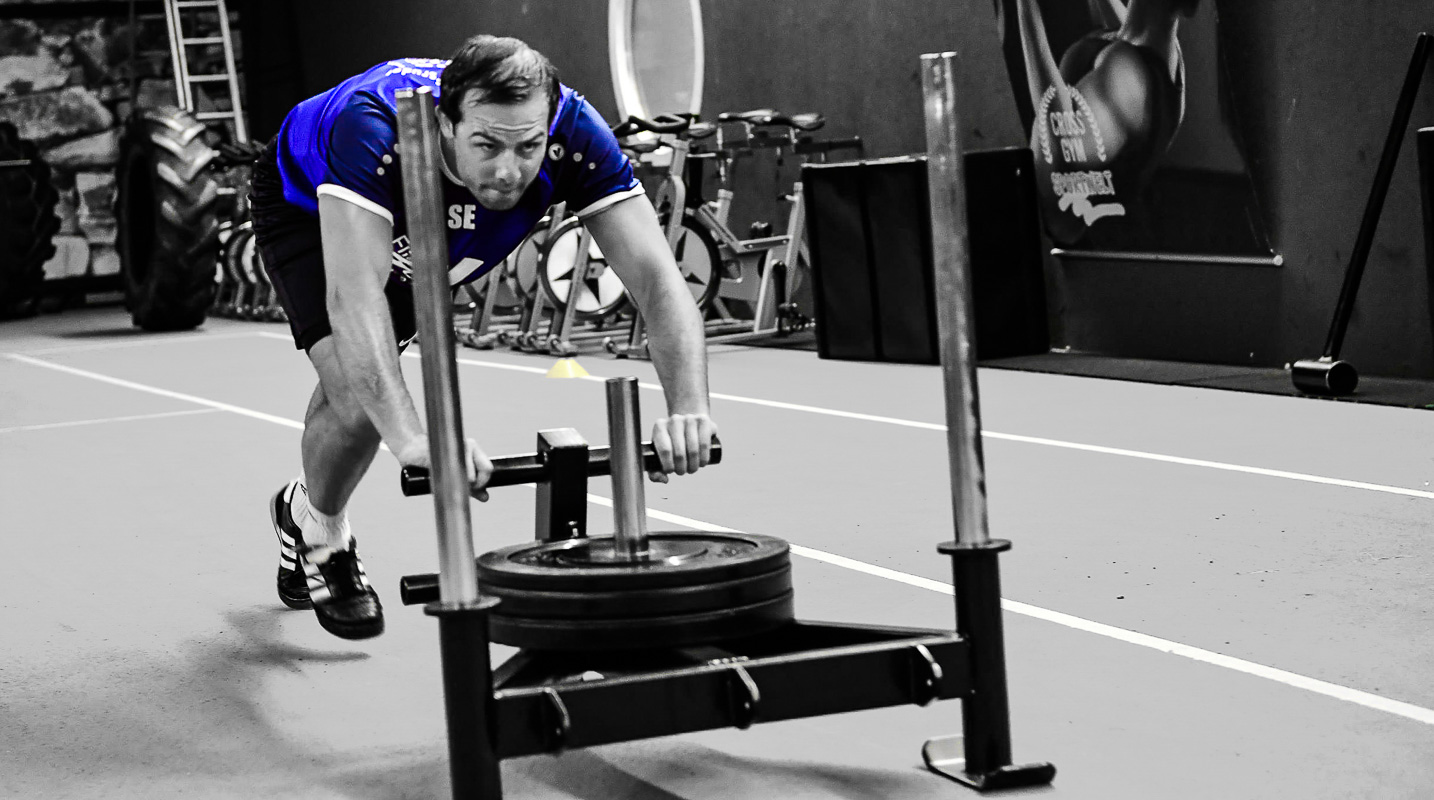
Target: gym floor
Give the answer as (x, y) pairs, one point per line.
(1212, 594)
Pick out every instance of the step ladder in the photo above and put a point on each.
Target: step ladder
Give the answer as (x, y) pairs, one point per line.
(182, 16)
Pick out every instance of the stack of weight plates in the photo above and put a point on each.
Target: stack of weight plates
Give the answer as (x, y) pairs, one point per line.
(691, 588)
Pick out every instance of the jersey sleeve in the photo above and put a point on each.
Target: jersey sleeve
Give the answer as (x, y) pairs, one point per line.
(361, 168)
(597, 174)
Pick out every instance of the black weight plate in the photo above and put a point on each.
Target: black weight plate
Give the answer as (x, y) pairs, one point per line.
(631, 603)
(641, 633)
(559, 566)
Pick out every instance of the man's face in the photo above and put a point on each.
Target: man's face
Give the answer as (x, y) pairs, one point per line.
(498, 149)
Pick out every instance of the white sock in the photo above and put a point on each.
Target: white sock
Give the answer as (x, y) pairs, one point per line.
(299, 501)
(325, 533)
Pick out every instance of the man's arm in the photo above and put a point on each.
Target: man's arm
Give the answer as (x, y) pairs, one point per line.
(357, 251)
(632, 240)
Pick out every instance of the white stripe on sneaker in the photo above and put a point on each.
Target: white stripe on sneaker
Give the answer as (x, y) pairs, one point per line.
(318, 587)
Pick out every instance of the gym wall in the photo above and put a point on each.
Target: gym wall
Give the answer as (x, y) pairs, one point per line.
(64, 84)
(273, 71)
(1316, 94)
(65, 79)
(356, 34)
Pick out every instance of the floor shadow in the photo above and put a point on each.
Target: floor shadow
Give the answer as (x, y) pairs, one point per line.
(587, 774)
(678, 769)
(660, 769)
(405, 775)
(103, 333)
(150, 716)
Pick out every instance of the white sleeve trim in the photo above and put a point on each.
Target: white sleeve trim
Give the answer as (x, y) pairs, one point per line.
(609, 201)
(349, 195)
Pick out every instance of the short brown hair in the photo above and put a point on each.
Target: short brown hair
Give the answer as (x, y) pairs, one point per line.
(502, 70)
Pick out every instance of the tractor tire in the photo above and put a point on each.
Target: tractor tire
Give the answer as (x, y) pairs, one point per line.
(168, 238)
(27, 224)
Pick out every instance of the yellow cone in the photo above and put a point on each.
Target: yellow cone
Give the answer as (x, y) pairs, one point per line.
(567, 368)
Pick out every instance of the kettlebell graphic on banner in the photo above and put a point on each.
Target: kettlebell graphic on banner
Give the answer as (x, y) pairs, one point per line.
(1106, 112)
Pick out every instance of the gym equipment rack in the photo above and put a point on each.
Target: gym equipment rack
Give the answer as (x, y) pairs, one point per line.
(544, 702)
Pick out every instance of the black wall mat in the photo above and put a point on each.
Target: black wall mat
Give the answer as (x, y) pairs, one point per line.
(869, 232)
(1006, 253)
(841, 289)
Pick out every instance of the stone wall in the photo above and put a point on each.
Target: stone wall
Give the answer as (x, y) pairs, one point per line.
(65, 82)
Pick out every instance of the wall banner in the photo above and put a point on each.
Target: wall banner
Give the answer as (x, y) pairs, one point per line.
(1126, 105)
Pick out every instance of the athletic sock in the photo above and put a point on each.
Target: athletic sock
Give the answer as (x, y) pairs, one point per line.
(323, 533)
(299, 501)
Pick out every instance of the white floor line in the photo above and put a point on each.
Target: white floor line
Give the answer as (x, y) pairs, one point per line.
(1011, 437)
(1196, 462)
(1335, 691)
(77, 423)
(140, 387)
(139, 340)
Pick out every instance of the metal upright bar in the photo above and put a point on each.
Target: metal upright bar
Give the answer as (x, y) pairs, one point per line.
(629, 506)
(231, 75)
(432, 301)
(133, 53)
(955, 314)
(462, 615)
(560, 330)
(178, 58)
(981, 757)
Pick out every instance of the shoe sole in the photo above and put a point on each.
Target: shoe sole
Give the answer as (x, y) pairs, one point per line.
(296, 602)
(363, 630)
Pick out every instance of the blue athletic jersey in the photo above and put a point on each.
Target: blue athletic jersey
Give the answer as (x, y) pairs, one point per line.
(341, 143)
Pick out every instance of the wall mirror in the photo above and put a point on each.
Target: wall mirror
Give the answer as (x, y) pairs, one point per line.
(655, 49)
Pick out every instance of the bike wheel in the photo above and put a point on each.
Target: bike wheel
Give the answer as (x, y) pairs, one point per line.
(697, 258)
(601, 293)
(253, 295)
(524, 261)
(266, 305)
(510, 298)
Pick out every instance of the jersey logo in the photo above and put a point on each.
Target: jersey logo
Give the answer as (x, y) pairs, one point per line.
(461, 216)
(402, 257)
(430, 68)
(555, 151)
(403, 263)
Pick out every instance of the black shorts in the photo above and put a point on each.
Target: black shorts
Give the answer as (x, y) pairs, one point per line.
(288, 241)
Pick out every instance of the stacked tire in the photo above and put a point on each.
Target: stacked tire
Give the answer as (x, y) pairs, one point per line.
(168, 238)
(27, 224)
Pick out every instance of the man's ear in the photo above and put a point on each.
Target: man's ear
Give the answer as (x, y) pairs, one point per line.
(445, 125)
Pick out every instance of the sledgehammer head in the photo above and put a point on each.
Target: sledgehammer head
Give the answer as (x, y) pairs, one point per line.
(1325, 377)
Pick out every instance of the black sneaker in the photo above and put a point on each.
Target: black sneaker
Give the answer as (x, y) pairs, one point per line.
(346, 605)
(293, 587)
